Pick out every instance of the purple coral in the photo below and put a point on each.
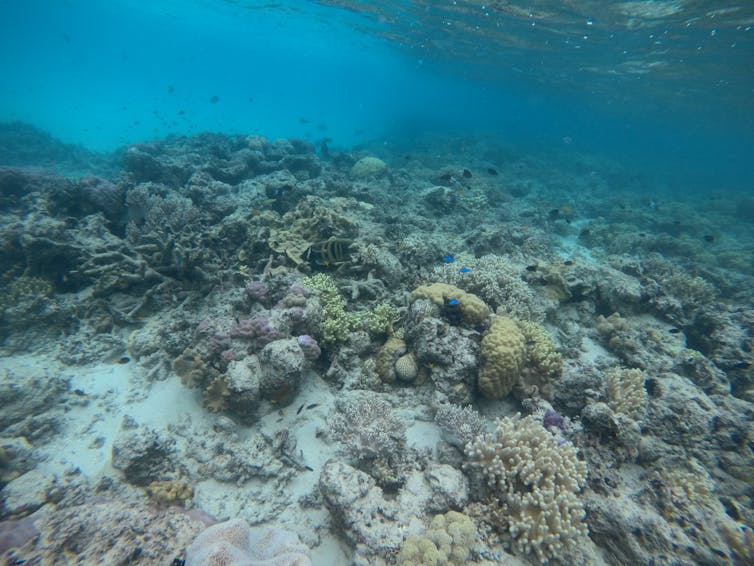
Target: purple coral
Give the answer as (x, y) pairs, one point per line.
(553, 419)
(257, 291)
(257, 330)
(309, 346)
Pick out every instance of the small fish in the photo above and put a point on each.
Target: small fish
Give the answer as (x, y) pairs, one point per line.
(466, 174)
(453, 302)
(674, 330)
(742, 365)
(492, 171)
(123, 360)
(448, 259)
(531, 268)
(465, 269)
(642, 234)
(312, 406)
(309, 468)
(586, 232)
(214, 99)
(301, 408)
(568, 262)
(554, 213)
(709, 238)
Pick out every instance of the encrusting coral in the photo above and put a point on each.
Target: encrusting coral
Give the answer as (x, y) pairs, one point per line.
(471, 307)
(534, 482)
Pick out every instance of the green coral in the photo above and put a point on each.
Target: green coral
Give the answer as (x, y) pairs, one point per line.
(448, 541)
(337, 324)
(381, 318)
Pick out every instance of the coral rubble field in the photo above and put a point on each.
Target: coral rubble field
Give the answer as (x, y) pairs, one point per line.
(226, 349)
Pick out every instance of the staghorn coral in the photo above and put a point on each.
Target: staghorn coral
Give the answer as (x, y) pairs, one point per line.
(504, 354)
(534, 481)
(472, 308)
(626, 392)
(447, 542)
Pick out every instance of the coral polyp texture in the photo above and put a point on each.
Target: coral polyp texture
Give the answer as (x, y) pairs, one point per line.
(534, 483)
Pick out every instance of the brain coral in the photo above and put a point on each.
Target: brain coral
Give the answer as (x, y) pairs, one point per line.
(503, 353)
(472, 308)
(535, 484)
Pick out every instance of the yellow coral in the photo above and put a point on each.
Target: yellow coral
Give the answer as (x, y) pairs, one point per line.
(473, 309)
(626, 392)
(503, 353)
(448, 541)
(391, 350)
(170, 492)
(543, 362)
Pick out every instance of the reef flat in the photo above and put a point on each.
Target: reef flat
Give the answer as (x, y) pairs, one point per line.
(449, 353)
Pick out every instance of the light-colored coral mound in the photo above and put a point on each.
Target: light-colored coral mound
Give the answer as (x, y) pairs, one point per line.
(535, 482)
(448, 541)
(472, 308)
(504, 353)
(233, 543)
(368, 167)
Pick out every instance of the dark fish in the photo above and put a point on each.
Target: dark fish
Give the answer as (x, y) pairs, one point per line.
(331, 252)
(674, 330)
(303, 120)
(446, 177)
(642, 234)
(181, 112)
(568, 262)
(123, 360)
(492, 171)
(312, 406)
(300, 409)
(554, 213)
(309, 468)
(531, 268)
(171, 90)
(214, 99)
(709, 238)
(586, 232)
(466, 174)
(742, 365)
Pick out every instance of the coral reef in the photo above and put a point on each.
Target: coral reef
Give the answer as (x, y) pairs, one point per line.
(448, 541)
(452, 299)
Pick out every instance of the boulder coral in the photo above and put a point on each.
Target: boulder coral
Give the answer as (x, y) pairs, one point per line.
(504, 354)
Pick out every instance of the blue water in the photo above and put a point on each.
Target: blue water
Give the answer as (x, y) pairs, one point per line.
(662, 88)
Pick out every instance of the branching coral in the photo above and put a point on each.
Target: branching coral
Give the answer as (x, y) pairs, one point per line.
(534, 483)
(626, 392)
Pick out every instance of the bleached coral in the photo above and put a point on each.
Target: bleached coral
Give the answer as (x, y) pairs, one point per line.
(626, 392)
(535, 481)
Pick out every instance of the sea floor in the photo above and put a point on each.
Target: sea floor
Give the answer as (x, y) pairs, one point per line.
(529, 359)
